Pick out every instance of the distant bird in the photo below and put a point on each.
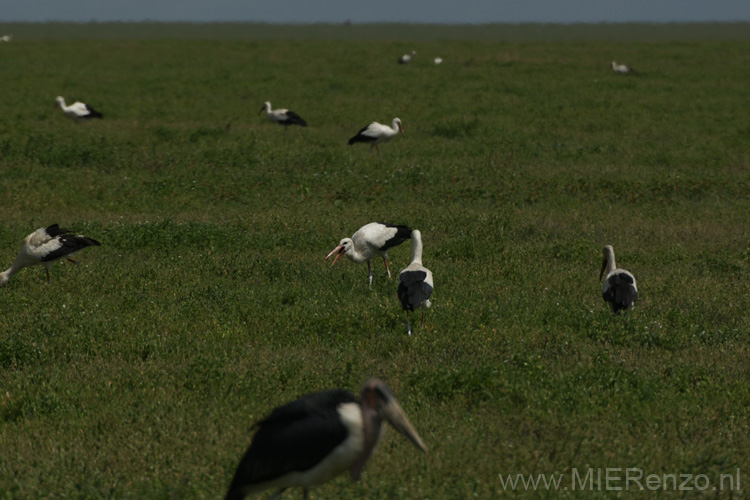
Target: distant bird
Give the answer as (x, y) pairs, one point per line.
(45, 246)
(623, 69)
(415, 284)
(282, 116)
(438, 60)
(6, 38)
(77, 110)
(376, 133)
(317, 437)
(375, 238)
(619, 287)
(406, 58)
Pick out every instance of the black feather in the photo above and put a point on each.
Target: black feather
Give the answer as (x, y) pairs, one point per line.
(293, 118)
(621, 293)
(294, 437)
(92, 113)
(412, 289)
(403, 233)
(362, 138)
(70, 243)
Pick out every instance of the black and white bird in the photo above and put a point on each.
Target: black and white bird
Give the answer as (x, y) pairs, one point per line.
(623, 69)
(317, 437)
(282, 116)
(372, 239)
(619, 288)
(45, 246)
(77, 110)
(406, 58)
(376, 133)
(415, 283)
(6, 38)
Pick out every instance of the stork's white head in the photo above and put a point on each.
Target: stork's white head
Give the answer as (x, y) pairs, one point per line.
(343, 247)
(397, 123)
(266, 107)
(60, 101)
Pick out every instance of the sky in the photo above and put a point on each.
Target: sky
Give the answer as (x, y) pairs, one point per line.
(368, 11)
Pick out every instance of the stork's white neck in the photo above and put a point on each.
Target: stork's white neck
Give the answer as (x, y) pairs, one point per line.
(609, 254)
(6, 275)
(416, 246)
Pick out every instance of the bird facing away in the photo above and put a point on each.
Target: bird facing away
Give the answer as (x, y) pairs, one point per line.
(415, 282)
(77, 110)
(623, 69)
(371, 239)
(406, 58)
(282, 116)
(317, 437)
(619, 288)
(45, 246)
(376, 133)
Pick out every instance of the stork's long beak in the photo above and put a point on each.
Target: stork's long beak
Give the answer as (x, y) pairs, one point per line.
(395, 415)
(262, 109)
(401, 129)
(604, 266)
(340, 250)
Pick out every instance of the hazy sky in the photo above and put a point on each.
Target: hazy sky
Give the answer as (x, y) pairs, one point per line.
(358, 11)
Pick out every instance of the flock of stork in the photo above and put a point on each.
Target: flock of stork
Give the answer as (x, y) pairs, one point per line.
(317, 437)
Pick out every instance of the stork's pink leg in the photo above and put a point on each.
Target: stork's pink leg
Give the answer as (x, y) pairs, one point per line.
(369, 272)
(386, 268)
(47, 269)
(71, 260)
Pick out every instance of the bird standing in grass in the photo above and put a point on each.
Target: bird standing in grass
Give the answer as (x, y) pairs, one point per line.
(282, 116)
(619, 288)
(371, 239)
(45, 246)
(376, 133)
(623, 69)
(77, 110)
(406, 58)
(415, 284)
(317, 437)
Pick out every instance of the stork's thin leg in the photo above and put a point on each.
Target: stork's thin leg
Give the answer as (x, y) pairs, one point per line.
(71, 260)
(304, 494)
(408, 325)
(47, 269)
(386, 268)
(423, 317)
(369, 272)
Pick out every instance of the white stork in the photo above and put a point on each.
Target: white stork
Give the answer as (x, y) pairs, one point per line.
(415, 283)
(282, 116)
(406, 58)
(45, 246)
(371, 239)
(623, 69)
(317, 437)
(77, 110)
(375, 133)
(619, 288)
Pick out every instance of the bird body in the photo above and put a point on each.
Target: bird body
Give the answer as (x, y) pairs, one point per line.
(415, 284)
(282, 116)
(438, 60)
(623, 69)
(372, 239)
(406, 58)
(77, 110)
(619, 288)
(45, 246)
(317, 437)
(6, 38)
(376, 133)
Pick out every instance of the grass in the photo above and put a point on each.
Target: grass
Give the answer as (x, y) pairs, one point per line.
(138, 373)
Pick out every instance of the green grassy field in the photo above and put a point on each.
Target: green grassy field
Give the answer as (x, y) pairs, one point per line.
(138, 373)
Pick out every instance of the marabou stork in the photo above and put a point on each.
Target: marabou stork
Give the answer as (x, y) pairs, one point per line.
(317, 437)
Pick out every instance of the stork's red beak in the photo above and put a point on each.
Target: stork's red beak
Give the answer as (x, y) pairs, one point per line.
(401, 129)
(340, 250)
